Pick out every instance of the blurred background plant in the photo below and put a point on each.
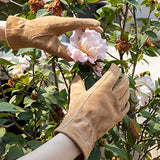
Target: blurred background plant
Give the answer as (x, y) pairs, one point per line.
(35, 86)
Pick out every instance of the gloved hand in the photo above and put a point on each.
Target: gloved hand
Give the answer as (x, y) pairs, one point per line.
(42, 33)
(92, 113)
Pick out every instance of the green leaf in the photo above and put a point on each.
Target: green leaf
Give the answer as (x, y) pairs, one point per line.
(108, 12)
(34, 144)
(142, 94)
(25, 115)
(3, 120)
(150, 53)
(145, 114)
(89, 82)
(49, 98)
(91, 1)
(151, 34)
(47, 72)
(117, 150)
(126, 120)
(133, 2)
(7, 107)
(25, 50)
(76, 9)
(16, 99)
(5, 115)
(154, 126)
(157, 24)
(41, 13)
(20, 109)
(95, 154)
(5, 62)
(2, 132)
(145, 27)
(15, 151)
(157, 14)
(157, 91)
(131, 138)
(25, 79)
(138, 148)
(28, 100)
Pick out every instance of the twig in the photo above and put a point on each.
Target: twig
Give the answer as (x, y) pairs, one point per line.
(149, 151)
(125, 18)
(63, 77)
(112, 56)
(55, 75)
(122, 32)
(1, 86)
(7, 126)
(23, 131)
(136, 39)
(16, 3)
(33, 75)
(35, 127)
(146, 122)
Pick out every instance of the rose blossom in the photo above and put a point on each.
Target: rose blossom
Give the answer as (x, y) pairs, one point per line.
(87, 46)
(141, 84)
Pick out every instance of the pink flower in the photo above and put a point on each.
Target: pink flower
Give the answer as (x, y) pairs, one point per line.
(87, 46)
(98, 68)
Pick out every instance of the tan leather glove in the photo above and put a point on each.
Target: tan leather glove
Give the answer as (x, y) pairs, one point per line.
(42, 33)
(92, 113)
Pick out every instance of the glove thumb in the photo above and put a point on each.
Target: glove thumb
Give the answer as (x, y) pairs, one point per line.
(77, 88)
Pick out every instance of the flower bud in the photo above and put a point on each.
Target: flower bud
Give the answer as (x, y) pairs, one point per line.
(36, 5)
(56, 8)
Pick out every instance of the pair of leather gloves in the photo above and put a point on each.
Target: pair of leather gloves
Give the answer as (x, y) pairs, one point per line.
(93, 112)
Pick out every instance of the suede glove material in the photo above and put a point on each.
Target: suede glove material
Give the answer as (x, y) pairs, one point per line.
(43, 32)
(95, 111)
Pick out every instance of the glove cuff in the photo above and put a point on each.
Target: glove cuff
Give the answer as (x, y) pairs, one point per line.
(81, 131)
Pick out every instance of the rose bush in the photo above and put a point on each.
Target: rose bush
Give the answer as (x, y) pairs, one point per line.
(33, 101)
